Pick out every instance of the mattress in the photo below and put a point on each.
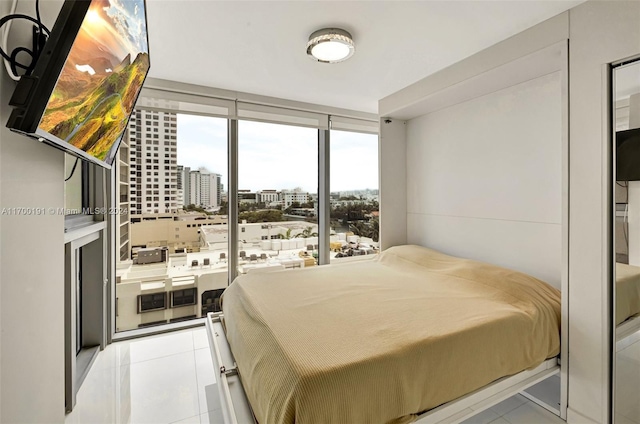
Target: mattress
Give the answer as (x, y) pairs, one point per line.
(382, 341)
(627, 291)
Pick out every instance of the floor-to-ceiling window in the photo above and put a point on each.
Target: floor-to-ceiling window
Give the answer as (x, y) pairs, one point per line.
(173, 238)
(355, 215)
(277, 196)
(189, 163)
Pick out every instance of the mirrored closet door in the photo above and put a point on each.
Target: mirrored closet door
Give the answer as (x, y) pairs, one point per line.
(626, 238)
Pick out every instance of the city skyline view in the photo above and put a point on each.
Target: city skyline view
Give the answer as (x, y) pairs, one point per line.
(171, 163)
(273, 156)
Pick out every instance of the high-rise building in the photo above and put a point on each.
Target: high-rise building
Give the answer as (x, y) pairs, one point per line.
(183, 186)
(194, 195)
(201, 187)
(153, 168)
(219, 188)
(122, 171)
(179, 176)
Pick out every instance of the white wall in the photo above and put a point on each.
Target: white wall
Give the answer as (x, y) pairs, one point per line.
(393, 182)
(601, 32)
(484, 178)
(32, 266)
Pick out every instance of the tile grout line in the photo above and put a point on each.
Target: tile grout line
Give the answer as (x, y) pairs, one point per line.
(192, 350)
(519, 406)
(195, 366)
(502, 417)
(512, 409)
(128, 364)
(546, 414)
(150, 359)
(193, 416)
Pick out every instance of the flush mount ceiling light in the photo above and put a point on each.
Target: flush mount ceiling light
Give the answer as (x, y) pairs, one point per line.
(330, 45)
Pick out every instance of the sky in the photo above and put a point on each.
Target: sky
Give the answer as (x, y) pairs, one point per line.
(119, 25)
(273, 156)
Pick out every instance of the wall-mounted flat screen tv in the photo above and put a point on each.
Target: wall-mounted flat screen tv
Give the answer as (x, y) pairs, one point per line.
(628, 155)
(85, 84)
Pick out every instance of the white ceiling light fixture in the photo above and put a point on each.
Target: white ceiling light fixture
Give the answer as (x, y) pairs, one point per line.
(330, 45)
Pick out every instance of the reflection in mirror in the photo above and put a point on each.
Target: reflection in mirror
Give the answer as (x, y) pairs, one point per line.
(626, 79)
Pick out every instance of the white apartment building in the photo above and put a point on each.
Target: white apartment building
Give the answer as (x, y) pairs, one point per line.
(268, 196)
(180, 198)
(200, 187)
(287, 197)
(208, 189)
(152, 172)
(273, 197)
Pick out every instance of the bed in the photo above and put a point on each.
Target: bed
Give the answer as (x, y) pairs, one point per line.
(389, 340)
(627, 306)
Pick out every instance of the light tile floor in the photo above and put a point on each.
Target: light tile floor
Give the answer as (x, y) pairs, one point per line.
(169, 378)
(161, 379)
(627, 391)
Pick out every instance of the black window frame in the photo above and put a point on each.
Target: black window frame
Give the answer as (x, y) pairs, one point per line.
(175, 293)
(162, 295)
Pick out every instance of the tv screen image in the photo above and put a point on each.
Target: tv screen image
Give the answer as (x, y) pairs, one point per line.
(105, 60)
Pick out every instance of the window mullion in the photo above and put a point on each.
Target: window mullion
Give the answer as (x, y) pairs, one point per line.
(232, 198)
(324, 206)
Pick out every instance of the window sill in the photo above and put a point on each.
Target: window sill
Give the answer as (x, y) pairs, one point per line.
(79, 231)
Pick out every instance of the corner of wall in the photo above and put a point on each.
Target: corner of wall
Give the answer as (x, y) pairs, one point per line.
(393, 183)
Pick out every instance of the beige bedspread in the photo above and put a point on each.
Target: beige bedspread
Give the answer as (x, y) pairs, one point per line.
(627, 291)
(381, 341)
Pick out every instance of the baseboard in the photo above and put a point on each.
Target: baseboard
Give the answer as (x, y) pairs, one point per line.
(574, 417)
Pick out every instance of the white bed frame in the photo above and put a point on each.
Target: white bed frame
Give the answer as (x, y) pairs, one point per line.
(628, 332)
(236, 408)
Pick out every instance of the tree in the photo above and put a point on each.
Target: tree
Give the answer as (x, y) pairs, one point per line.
(273, 215)
(194, 208)
(224, 208)
(307, 232)
(293, 205)
(285, 236)
(375, 229)
(249, 206)
(268, 215)
(369, 229)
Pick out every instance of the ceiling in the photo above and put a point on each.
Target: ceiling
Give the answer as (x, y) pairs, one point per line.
(259, 46)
